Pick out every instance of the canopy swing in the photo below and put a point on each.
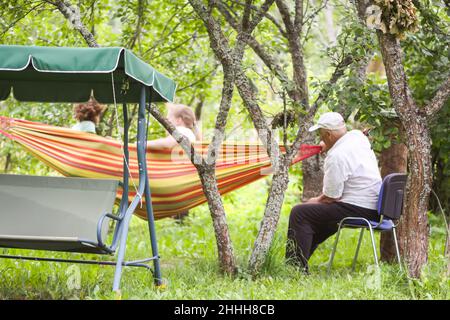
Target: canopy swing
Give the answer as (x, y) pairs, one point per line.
(55, 74)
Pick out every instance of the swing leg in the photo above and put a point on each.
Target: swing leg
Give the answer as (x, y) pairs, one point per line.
(151, 227)
(148, 198)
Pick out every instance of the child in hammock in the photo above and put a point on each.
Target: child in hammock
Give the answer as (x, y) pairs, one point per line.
(88, 115)
(183, 118)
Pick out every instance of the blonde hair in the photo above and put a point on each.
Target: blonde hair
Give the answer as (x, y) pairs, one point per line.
(187, 115)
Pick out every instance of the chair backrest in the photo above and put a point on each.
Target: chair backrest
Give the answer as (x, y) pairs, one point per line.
(390, 200)
(53, 208)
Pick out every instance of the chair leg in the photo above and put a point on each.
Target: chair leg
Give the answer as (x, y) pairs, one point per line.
(357, 250)
(373, 246)
(334, 249)
(396, 248)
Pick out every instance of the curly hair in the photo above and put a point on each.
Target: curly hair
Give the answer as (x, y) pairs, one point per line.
(88, 111)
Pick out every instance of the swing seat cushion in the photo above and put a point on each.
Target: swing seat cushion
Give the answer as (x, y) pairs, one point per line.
(358, 223)
(54, 213)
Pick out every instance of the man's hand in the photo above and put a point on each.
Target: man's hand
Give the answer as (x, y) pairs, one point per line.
(322, 199)
(324, 147)
(313, 200)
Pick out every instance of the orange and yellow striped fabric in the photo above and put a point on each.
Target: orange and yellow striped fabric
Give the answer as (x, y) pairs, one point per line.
(175, 184)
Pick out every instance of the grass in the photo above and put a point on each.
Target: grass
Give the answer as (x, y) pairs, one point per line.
(189, 264)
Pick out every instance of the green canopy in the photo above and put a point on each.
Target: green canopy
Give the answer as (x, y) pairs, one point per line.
(60, 74)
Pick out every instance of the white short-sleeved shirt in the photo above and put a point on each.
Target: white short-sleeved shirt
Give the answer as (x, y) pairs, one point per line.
(351, 171)
(187, 132)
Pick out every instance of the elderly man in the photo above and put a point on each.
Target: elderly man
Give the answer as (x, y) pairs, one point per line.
(351, 184)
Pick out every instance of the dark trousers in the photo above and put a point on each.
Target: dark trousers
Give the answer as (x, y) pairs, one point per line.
(312, 223)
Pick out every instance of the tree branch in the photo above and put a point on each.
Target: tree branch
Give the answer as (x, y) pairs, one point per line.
(439, 99)
(137, 32)
(298, 19)
(163, 37)
(199, 79)
(266, 14)
(285, 15)
(72, 13)
(269, 60)
(173, 48)
(260, 15)
(337, 74)
(296, 50)
(221, 119)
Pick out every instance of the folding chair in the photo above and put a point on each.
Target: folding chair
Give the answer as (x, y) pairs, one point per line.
(390, 203)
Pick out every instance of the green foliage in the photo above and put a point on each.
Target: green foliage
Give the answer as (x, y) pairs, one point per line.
(359, 96)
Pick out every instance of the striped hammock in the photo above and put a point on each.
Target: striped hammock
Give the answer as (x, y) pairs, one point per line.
(175, 184)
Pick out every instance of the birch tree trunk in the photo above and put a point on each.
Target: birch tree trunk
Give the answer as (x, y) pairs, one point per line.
(224, 246)
(269, 223)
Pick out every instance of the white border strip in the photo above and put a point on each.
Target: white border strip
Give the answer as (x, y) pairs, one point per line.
(20, 69)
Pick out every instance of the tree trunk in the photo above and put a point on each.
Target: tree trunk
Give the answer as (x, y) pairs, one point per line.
(414, 229)
(392, 160)
(312, 170)
(224, 245)
(269, 224)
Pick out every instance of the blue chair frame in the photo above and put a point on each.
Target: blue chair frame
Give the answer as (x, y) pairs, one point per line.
(390, 204)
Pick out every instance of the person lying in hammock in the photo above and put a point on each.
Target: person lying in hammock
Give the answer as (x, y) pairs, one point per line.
(183, 118)
(88, 115)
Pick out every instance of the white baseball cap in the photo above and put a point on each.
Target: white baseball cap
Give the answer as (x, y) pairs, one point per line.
(329, 121)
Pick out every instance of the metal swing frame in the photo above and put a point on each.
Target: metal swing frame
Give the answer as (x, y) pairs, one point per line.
(125, 212)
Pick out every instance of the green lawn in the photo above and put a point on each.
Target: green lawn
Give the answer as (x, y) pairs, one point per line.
(189, 264)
